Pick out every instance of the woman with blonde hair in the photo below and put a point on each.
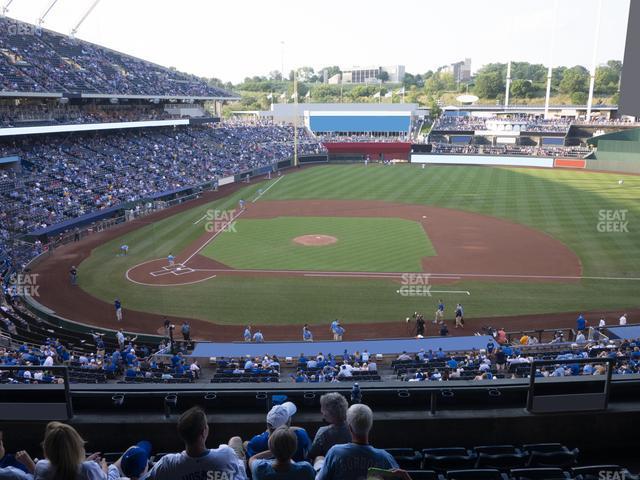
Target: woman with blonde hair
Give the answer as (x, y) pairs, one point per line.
(65, 456)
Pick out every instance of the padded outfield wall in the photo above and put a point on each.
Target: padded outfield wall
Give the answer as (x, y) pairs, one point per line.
(616, 152)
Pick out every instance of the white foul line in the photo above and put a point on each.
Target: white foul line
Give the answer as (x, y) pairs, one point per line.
(202, 218)
(220, 230)
(266, 189)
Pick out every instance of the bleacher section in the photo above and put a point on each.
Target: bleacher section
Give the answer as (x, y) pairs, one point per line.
(36, 60)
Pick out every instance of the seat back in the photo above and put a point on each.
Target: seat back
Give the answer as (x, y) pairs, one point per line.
(502, 461)
(449, 462)
(496, 449)
(423, 475)
(566, 459)
(597, 472)
(475, 474)
(538, 474)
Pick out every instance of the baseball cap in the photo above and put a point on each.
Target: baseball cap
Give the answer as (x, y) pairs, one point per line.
(280, 414)
(135, 459)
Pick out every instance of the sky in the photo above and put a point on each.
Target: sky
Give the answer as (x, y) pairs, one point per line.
(233, 40)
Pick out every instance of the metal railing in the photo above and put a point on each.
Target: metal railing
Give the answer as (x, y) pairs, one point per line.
(43, 409)
(567, 402)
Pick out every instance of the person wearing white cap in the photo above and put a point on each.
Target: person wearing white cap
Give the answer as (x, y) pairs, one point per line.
(278, 416)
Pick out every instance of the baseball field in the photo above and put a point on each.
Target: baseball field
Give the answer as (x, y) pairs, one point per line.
(372, 245)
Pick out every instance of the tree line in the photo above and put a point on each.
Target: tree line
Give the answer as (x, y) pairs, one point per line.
(528, 81)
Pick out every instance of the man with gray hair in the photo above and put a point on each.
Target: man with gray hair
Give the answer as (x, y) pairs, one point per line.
(333, 407)
(351, 461)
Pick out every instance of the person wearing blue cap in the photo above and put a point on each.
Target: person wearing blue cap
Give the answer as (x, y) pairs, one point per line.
(133, 464)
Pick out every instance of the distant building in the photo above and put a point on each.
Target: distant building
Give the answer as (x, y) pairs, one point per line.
(461, 71)
(364, 75)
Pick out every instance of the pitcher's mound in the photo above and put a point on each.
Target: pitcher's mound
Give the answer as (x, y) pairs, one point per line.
(315, 240)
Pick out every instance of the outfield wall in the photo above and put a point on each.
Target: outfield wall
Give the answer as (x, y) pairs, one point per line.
(616, 152)
(496, 160)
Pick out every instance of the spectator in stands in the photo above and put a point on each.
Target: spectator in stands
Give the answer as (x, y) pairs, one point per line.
(197, 461)
(333, 407)
(444, 330)
(581, 323)
(12, 467)
(501, 336)
(258, 337)
(404, 357)
(283, 443)
(64, 453)
(133, 464)
(186, 331)
(307, 336)
(120, 338)
(278, 416)
(351, 461)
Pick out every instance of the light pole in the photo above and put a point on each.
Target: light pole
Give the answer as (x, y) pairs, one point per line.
(592, 79)
(282, 58)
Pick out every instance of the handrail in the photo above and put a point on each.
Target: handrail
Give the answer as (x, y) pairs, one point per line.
(52, 369)
(539, 363)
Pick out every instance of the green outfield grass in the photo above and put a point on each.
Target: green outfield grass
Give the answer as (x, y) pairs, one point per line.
(565, 204)
(363, 245)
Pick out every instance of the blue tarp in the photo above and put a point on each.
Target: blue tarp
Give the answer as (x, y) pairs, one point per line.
(294, 349)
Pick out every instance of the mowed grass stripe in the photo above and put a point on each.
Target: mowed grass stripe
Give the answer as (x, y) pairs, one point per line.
(364, 244)
(565, 204)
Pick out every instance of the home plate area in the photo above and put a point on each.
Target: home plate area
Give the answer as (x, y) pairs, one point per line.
(176, 269)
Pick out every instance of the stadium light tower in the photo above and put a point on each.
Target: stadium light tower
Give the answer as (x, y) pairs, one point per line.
(282, 59)
(547, 97)
(592, 79)
(507, 86)
(5, 8)
(295, 118)
(46, 12)
(74, 30)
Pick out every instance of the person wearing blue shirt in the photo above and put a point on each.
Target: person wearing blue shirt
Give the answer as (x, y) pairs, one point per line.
(258, 337)
(307, 336)
(351, 461)
(283, 443)
(581, 323)
(278, 416)
(247, 334)
(176, 359)
(439, 312)
(337, 330)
